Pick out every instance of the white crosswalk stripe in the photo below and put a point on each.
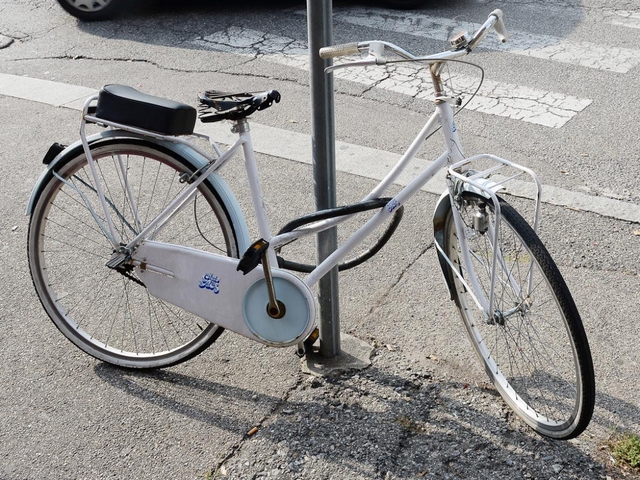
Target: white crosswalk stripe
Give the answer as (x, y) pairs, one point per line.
(530, 105)
(623, 18)
(546, 47)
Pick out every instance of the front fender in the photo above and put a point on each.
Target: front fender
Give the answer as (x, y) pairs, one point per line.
(226, 195)
(439, 222)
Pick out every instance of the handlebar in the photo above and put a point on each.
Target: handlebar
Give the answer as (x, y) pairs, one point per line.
(376, 49)
(493, 21)
(339, 50)
(499, 27)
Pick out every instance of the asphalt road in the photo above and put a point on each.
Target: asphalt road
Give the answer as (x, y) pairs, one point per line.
(561, 100)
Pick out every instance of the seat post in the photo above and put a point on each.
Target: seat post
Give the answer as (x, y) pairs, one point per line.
(240, 126)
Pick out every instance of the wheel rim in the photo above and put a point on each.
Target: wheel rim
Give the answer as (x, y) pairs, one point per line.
(107, 313)
(89, 5)
(530, 356)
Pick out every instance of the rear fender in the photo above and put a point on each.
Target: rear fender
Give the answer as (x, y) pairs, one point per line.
(218, 184)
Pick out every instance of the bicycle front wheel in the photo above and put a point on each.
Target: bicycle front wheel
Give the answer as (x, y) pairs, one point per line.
(109, 313)
(533, 344)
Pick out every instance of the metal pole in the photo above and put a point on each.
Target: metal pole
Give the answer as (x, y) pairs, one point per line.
(319, 18)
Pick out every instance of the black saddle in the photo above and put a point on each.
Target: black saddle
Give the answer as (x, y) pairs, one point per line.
(128, 106)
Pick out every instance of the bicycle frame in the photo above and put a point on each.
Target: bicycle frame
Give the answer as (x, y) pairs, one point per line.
(453, 157)
(244, 141)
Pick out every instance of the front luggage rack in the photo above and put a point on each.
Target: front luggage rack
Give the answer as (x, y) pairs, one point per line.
(490, 164)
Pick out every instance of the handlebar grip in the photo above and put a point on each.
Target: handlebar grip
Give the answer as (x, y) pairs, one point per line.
(339, 50)
(499, 27)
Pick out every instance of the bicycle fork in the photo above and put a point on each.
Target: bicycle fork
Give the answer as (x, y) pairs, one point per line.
(480, 222)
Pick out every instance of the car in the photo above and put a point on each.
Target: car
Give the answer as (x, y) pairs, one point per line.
(93, 10)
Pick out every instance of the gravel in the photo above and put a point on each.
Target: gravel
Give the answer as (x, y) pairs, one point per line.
(395, 420)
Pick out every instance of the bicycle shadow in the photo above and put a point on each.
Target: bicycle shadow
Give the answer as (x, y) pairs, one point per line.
(368, 423)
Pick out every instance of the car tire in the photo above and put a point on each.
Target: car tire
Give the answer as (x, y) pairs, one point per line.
(402, 4)
(92, 10)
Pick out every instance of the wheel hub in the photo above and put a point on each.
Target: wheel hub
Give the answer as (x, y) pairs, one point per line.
(89, 5)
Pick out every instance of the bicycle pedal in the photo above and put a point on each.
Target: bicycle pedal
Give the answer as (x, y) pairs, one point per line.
(253, 256)
(307, 345)
(116, 260)
(311, 339)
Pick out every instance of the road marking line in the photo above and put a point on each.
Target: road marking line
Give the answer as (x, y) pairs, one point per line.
(43, 91)
(584, 54)
(624, 18)
(357, 160)
(505, 100)
(350, 158)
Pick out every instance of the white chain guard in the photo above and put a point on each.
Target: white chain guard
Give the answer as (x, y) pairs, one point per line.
(209, 286)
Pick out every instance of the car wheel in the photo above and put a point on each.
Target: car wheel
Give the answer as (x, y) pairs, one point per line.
(403, 4)
(90, 10)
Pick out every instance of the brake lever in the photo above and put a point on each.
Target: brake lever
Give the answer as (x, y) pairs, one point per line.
(370, 60)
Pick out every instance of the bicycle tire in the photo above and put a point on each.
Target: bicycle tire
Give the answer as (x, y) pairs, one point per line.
(107, 313)
(534, 349)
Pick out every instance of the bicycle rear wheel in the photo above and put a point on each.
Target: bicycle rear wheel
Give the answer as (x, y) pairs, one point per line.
(108, 313)
(533, 345)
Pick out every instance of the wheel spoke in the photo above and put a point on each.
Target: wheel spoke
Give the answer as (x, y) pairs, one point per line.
(541, 371)
(104, 311)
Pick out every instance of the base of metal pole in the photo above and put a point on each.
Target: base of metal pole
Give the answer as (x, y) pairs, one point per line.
(355, 354)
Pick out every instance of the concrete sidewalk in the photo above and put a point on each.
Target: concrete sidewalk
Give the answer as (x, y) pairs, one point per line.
(350, 158)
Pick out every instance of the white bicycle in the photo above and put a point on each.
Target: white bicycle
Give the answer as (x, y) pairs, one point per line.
(141, 256)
